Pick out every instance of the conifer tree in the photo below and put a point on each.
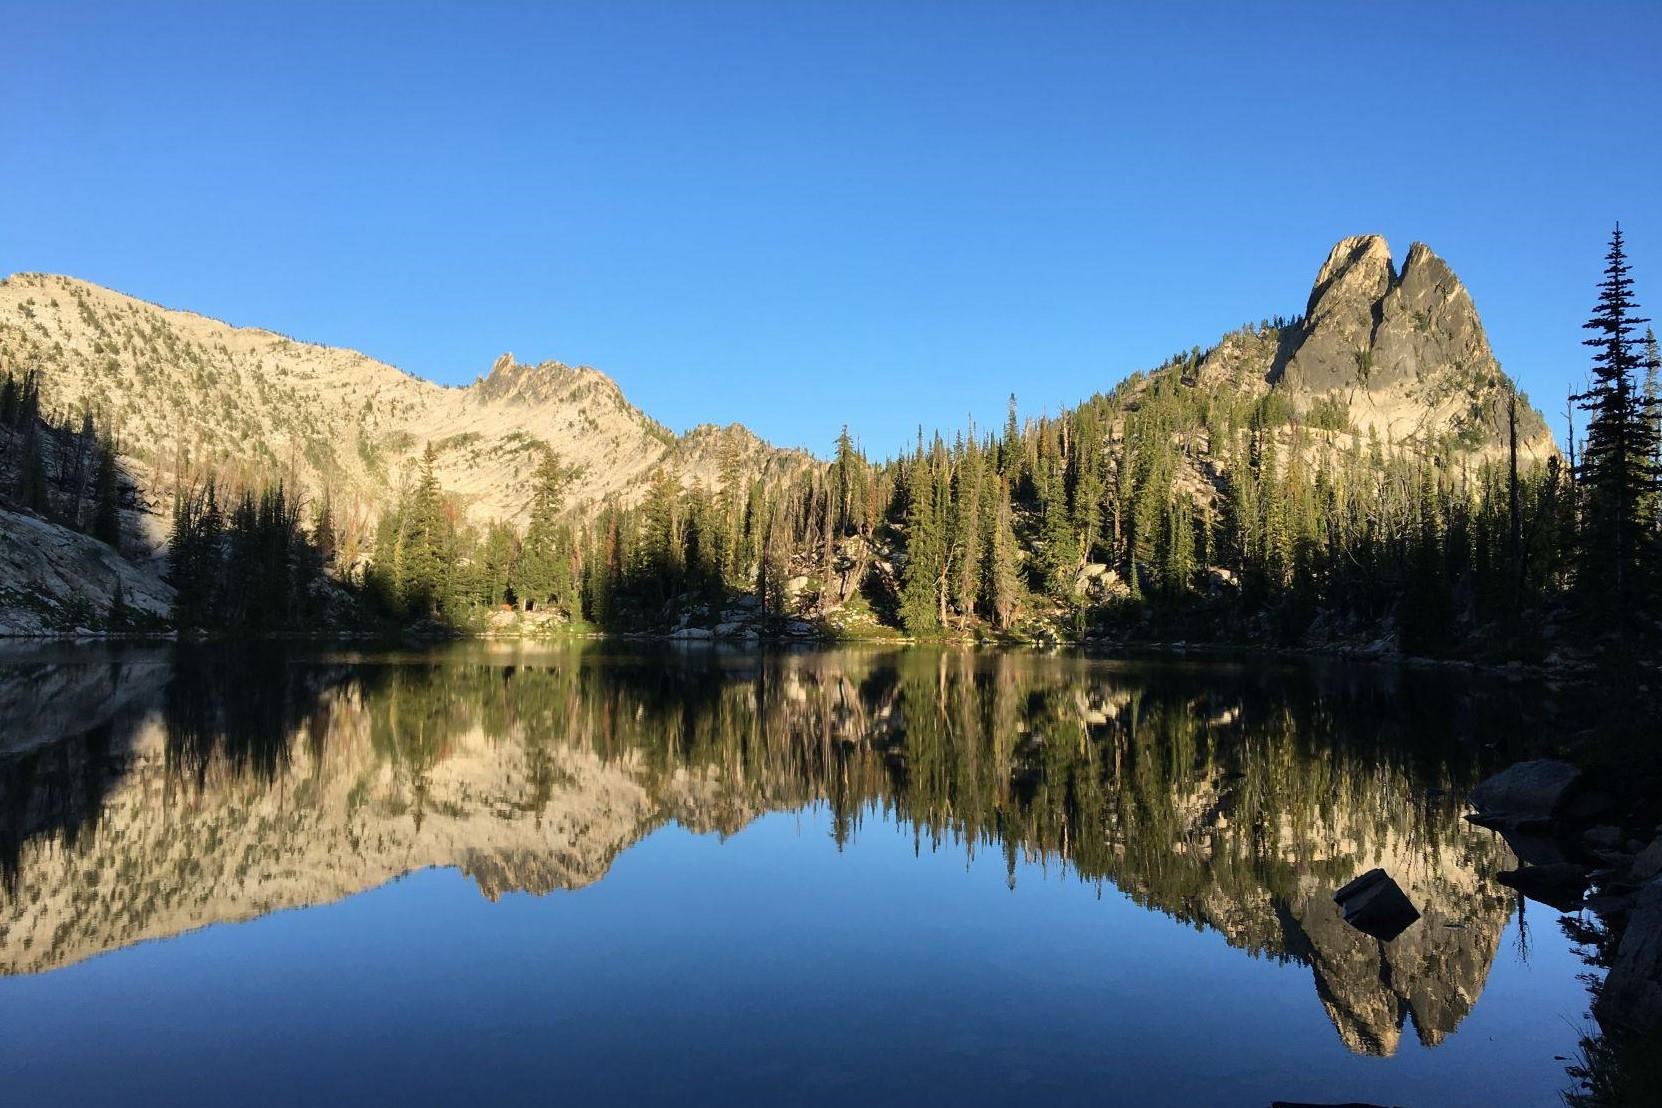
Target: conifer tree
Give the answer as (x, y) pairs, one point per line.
(998, 585)
(925, 549)
(495, 560)
(1653, 416)
(427, 544)
(848, 485)
(106, 497)
(31, 473)
(1618, 469)
(10, 390)
(323, 532)
(542, 572)
(967, 534)
(195, 555)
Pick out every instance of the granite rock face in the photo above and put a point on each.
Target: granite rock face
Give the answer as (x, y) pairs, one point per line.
(1402, 352)
(1632, 995)
(1340, 318)
(55, 581)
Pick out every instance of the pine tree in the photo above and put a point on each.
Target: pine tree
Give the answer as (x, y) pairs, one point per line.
(1178, 564)
(998, 580)
(1089, 483)
(542, 572)
(1010, 448)
(31, 475)
(106, 497)
(1653, 417)
(967, 534)
(848, 478)
(195, 555)
(495, 560)
(324, 533)
(925, 549)
(1618, 470)
(427, 544)
(10, 393)
(659, 554)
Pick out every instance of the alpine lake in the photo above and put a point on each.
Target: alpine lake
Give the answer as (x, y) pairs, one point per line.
(624, 873)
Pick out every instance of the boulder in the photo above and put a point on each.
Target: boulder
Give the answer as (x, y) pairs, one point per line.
(1649, 862)
(1632, 994)
(1560, 884)
(1376, 905)
(1602, 838)
(1527, 792)
(691, 634)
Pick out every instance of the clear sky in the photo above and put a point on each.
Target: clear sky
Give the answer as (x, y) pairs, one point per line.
(794, 214)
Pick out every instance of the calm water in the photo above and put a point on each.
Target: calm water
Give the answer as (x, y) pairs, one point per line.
(504, 874)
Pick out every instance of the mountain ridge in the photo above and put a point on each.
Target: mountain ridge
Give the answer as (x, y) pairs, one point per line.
(187, 394)
(1387, 368)
(1402, 352)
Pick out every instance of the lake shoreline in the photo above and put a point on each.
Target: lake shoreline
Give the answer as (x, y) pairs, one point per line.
(1578, 672)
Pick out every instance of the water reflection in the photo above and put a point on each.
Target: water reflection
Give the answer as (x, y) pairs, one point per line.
(147, 796)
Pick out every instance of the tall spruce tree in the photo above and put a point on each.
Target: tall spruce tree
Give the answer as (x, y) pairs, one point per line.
(1618, 466)
(106, 498)
(542, 573)
(427, 544)
(925, 549)
(998, 578)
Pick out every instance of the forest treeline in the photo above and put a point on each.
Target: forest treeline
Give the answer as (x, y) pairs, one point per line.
(1162, 509)
(1167, 508)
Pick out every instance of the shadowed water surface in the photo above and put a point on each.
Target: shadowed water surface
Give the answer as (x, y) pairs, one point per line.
(598, 872)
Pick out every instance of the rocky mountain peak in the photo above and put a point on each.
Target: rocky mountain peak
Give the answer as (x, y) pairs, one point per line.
(1404, 352)
(1358, 270)
(545, 382)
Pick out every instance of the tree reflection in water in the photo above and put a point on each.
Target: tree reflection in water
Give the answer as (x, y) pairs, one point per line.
(1232, 797)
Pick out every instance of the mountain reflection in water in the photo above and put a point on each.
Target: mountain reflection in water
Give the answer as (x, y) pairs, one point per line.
(154, 791)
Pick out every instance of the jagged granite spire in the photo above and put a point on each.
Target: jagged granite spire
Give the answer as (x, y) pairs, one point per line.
(1404, 351)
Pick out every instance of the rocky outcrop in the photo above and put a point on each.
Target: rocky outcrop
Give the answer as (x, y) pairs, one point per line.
(175, 386)
(1404, 354)
(1632, 994)
(1339, 321)
(57, 581)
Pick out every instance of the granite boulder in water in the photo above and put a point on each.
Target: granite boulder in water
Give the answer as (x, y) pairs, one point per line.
(1376, 905)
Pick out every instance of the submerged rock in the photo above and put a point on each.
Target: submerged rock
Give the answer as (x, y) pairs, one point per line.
(1376, 905)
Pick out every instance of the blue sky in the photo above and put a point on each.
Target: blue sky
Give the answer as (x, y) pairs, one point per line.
(794, 214)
